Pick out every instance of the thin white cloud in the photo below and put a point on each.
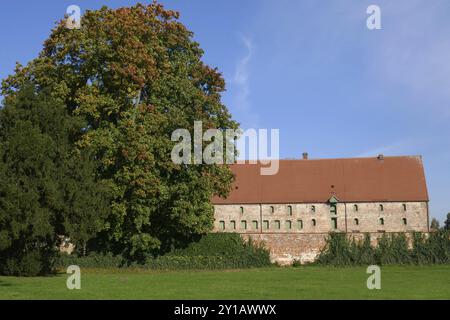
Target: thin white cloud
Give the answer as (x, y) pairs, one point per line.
(398, 148)
(241, 75)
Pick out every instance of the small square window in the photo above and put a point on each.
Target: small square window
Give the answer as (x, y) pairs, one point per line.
(277, 224)
(334, 223)
(288, 225)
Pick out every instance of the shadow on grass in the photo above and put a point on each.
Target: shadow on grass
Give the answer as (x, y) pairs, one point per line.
(5, 284)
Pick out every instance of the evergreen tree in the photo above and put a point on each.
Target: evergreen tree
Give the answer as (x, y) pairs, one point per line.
(434, 224)
(447, 222)
(46, 189)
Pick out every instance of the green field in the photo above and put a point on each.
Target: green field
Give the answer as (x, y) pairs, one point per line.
(397, 282)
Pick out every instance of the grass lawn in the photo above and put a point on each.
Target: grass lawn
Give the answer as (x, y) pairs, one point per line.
(397, 282)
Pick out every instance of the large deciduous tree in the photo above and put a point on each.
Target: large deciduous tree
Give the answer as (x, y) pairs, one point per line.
(135, 74)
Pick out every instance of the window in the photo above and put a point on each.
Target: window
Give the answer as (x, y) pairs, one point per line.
(334, 223)
(233, 225)
(404, 207)
(356, 222)
(222, 225)
(290, 210)
(405, 222)
(381, 207)
(382, 221)
(355, 208)
(313, 222)
(266, 224)
(272, 209)
(299, 224)
(333, 209)
(244, 225)
(288, 225)
(313, 208)
(277, 224)
(255, 225)
(241, 210)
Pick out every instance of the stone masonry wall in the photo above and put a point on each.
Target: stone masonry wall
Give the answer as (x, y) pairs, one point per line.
(298, 231)
(303, 247)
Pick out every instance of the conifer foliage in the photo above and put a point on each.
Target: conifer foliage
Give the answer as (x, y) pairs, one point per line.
(46, 189)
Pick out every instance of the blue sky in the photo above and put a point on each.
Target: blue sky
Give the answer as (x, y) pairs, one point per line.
(310, 68)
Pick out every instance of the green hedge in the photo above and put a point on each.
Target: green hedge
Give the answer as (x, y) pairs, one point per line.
(213, 251)
(391, 249)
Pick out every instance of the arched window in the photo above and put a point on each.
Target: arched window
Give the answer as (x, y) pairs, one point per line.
(290, 210)
(244, 225)
(405, 222)
(222, 225)
(266, 224)
(272, 209)
(313, 208)
(233, 225)
(404, 207)
(241, 210)
(356, 221)
(355, 208)
(255, 224)
(381, 207)
(299, 224)
(382, 221)
(314, 223)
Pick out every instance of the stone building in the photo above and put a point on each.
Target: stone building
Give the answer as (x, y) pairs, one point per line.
(293, 211)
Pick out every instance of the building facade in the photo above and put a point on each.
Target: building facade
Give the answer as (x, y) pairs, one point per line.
(293, 211)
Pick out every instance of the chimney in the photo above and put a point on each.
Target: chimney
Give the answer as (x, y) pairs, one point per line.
(305, 155)
(380, 157)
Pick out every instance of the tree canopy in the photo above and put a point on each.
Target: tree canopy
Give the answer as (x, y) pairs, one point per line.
(46, 189)
(135, 75)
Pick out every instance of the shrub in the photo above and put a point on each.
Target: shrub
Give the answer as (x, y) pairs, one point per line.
(391, 249)
(27, 264)
(93, 260)
(213, 251)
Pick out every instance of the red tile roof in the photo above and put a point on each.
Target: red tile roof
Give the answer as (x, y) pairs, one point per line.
(315, 181)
